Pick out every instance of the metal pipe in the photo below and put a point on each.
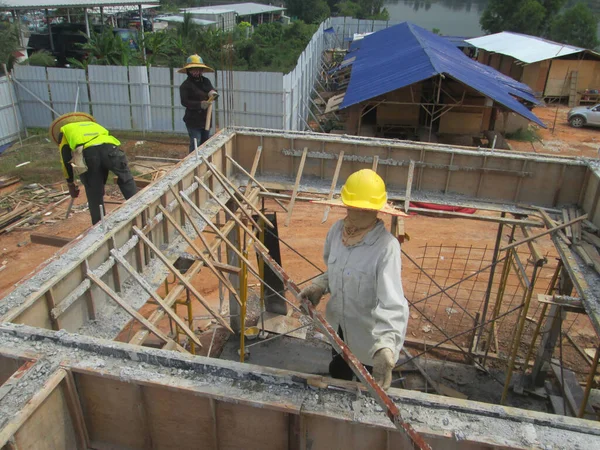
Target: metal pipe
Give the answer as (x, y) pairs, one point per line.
(588, 385)
(35, 96)
(243, 295)
(515, 347)
(488, 291)
(538, 327)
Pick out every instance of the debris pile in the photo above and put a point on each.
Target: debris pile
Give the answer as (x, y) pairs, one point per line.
(29, 206)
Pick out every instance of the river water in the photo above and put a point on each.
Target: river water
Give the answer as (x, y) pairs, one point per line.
(451, 17)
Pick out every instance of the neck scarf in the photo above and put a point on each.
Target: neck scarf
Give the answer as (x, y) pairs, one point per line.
(357, 223)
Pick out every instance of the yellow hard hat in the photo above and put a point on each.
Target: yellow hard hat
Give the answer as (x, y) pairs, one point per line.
(365, 190)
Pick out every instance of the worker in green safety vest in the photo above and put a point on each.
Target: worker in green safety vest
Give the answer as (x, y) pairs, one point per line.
(87, 148)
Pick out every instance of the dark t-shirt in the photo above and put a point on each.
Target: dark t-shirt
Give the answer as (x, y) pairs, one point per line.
(193, 92)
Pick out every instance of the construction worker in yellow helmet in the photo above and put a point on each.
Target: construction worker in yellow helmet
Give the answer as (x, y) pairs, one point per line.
(87, 149)
(367, 306)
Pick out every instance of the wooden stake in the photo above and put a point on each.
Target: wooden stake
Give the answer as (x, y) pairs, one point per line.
(230, 212)
(409, 181)
(254, 166)
(214, 228)
(251, 178)
(296, 185)
(375, 163)
(194, 225)
(336, 174)
(544, 233)
(131, 311)
(226, 183)
(181, 278)
(172, 314)
(207, 262)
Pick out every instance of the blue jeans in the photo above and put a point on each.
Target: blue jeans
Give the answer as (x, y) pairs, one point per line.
(200, 134)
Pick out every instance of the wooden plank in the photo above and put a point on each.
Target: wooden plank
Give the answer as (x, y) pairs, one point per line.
(576, 227)
(296, 185)
(131, 311)
(181, 278)
(253, 168)
(252, 179)
(334, 180)
(48, 239)
(568, 229)
(227, 184)
(573, 391)
(8, 431)
(231, 214)
(112, 412)
(178, 420)
(409, 182)
(590, 238)
(142, 282)
(583, 255)
(592, 255)
(216, 230)
(193, 222)
(544, 233)
(200, 254)
(74, 404)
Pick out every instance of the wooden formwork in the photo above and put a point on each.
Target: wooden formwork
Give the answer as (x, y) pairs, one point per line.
(66, 292)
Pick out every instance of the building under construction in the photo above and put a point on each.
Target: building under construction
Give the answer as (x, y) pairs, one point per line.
(502, 346)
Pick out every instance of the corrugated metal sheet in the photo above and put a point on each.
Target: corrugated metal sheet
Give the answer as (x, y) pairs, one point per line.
(109, 89)
(41, 4)
(9, 124)
(406, 54)
(63, 88)
(179, 19)
(140, 98)
(528, 49)
(160, 99)
(241, 9)
(34, 79)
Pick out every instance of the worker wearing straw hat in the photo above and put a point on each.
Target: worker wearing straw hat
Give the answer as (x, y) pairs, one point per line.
(367, 306)
(88, 149)
(196, 92)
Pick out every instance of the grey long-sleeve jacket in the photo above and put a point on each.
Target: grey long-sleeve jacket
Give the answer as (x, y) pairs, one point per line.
(367, 300)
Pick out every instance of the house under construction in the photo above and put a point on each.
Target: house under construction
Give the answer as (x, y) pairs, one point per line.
(68, 383)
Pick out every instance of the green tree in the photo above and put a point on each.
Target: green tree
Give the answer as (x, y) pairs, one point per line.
(363, 9)
(309, 11)
(576, 26)
(9, 43)
(522, 16)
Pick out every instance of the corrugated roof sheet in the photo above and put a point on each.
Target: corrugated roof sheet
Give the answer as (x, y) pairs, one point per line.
(241, 9)
(51, 4)
(406, 54)
(528, 49)
(179, 19)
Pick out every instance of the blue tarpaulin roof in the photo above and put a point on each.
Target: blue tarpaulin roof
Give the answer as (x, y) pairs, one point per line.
(406, 54)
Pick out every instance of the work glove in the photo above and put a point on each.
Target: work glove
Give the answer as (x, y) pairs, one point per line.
(383, 364)
(204, 104)
(73, 189)
(313, 293)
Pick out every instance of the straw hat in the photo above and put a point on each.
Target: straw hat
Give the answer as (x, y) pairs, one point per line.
(66, 119)
(386, 209)
(195, 61)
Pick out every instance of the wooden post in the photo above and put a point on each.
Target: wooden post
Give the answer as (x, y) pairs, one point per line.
(336, 174)
(296, 185)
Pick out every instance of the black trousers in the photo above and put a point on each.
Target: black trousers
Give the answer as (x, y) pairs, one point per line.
(101, 159)
(339, 368)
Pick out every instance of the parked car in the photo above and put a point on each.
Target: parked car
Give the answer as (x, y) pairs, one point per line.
(584, 115)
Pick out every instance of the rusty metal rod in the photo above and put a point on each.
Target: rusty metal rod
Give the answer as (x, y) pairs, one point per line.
(359, 370)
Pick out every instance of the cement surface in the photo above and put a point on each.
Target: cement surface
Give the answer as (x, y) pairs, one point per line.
(231, 381)
(285, 352)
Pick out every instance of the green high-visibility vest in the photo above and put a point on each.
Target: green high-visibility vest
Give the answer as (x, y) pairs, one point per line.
(87, 134)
